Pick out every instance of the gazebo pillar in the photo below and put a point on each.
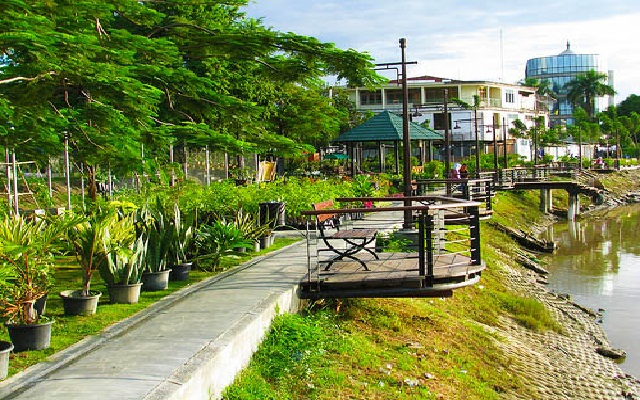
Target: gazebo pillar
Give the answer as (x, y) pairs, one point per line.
(381, 156)
(396, 153)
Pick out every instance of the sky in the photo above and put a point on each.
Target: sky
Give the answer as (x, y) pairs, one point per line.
(470, 39)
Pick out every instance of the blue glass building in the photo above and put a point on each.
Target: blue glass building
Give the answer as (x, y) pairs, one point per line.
(559, 70)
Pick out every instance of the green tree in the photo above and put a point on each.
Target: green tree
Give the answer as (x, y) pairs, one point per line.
(545, 95)
(629, 105)
(121, 74)
(584, 88)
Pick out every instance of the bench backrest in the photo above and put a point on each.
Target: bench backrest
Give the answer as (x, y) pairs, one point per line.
(324, 205)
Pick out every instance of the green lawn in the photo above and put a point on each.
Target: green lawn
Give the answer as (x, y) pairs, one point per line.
(68, 330)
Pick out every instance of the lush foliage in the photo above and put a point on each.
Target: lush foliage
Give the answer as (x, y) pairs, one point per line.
(122, 77)
(26, 260)
(96, 238)
(125, 266)
(217, 240)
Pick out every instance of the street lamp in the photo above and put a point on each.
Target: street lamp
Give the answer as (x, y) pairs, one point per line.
(492, 129)
(477, 139)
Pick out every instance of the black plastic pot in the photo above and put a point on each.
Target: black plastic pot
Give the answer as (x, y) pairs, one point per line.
(75, 304)
(153, 281)
(180, 272)
(30, 336)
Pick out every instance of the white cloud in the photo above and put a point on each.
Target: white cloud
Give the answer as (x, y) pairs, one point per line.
(461, 39)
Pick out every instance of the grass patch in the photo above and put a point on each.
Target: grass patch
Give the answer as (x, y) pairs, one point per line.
(68, 330)
(528, 312)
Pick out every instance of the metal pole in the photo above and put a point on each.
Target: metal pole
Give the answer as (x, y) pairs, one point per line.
(82, 184)
(185, 166)
(447, 141)
(173, 175)
(475, 127)
(226, 165)
(535, 143)
(8, 172)
(495, 150)
(406, 140)
(67, 169)
(207, 165)
(110, 184)
(14, 167)
(49, 179)
(504, 143)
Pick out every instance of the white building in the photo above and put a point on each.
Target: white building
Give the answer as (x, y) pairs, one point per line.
(500, 104)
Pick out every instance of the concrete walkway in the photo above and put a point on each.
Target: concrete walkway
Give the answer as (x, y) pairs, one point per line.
(189, 345)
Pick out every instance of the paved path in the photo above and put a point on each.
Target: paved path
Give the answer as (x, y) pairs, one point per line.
(189, 345)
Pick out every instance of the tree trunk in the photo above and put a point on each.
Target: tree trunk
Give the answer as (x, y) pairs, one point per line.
(91, 181)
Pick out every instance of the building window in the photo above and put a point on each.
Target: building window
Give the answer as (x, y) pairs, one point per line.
(510, 97)
(368, 98)
(393, 96)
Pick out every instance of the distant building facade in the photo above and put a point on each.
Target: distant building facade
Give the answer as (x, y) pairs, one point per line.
(500, 104)
(561, 69)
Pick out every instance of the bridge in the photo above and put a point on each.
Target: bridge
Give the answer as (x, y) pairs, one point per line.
(543, 178)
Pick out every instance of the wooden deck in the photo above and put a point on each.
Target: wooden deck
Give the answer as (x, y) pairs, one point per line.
(393, 275)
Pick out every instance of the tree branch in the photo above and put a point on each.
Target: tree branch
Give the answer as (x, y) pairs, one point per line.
(22, 78)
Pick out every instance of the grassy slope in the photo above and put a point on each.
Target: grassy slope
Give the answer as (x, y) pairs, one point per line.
(405, 348)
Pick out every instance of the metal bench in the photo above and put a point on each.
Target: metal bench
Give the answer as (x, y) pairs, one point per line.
(356, 239)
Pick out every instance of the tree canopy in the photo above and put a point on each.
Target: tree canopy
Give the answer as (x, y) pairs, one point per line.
(584, 88)
(120, 74)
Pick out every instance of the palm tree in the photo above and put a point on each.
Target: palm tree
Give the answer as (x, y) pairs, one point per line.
(544, 91)
(583, 90)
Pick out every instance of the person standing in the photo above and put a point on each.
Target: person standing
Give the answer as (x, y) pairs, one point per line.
(464, 173)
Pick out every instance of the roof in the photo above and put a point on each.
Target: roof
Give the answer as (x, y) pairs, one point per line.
(386, 127)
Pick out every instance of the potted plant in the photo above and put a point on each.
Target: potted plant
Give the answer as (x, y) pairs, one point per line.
(180, 245)
(217, 240)
(122, 269)
(158, 231)
(26, 260)
(94, 240)
(250, 227)
(5, 352)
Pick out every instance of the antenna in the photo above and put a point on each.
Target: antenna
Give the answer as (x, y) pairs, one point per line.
(501, 58)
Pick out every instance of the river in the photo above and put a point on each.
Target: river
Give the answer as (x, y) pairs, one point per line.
(598, 264)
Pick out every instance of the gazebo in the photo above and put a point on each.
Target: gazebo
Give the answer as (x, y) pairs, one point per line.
(385, 127)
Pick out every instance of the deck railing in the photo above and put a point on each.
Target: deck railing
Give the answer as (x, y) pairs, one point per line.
(440, 253)
(474, 189)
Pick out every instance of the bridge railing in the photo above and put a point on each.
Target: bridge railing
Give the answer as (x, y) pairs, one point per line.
(474, 189)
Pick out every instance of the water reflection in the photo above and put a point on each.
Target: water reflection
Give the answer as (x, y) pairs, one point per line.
(598, 263)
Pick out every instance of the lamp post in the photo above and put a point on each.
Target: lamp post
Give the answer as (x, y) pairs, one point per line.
(407, 224)
(477, 138)
(406, 140)
(504, 143)
(492, 128)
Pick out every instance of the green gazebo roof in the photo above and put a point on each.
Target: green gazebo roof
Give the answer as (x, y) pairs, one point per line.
(386, 127)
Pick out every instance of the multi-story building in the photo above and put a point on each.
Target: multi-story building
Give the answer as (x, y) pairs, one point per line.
(500, 104)
(561, 69)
